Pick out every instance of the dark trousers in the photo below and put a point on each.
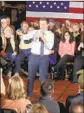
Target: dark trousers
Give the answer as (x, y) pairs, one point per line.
(20, 57)
(12, 59)
(37, 62)
(61, 65)
(78, 64)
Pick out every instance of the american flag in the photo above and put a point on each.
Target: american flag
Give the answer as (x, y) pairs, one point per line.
(59, 10)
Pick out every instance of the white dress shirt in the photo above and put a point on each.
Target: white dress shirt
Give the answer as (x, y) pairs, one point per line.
(49, 36)
(36, 44)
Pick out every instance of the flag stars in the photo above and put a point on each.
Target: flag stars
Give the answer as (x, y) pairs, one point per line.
(51, 6)
(30, 5)
(43, 6)
(54, 3)
(47, 3)
(33, 2)
(65, 7)
(58, 7)
(36, 6)
(62, 3)
(40, 2)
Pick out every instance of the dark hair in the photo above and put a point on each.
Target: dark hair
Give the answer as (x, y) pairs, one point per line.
(44, 19)
(71, 37)
(47, 87)
(74, 105)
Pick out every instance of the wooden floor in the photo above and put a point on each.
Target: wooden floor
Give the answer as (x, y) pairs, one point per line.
(62, 89)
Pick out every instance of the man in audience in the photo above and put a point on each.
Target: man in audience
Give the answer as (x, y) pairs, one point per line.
(79, 97)
(39, 58)
(24, 45)
(47, 89)
(77, 108)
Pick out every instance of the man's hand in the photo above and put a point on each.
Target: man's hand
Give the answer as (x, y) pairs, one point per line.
(14, 53)
(42, 37)
(2, 53)
(51, 52)
(19, 32)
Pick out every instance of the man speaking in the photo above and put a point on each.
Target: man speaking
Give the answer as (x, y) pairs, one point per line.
(39, 59)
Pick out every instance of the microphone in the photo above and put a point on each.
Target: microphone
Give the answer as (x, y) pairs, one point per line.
(40, 37)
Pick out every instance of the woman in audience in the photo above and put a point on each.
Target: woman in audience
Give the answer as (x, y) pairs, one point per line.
(38, 108)
(16, 95)
(11, 50)
(66, 52)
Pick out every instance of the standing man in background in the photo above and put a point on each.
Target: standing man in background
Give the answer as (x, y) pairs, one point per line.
(39, 59)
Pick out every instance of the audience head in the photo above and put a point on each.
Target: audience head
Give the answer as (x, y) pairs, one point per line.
(67, 37)
(51, 24)
(36, 24)
(38, 108)
(43, 24)
(67, 23)
(76, 28)
(8, 21)
(4, 23)
(47, 88)
(8, 32)
(16, 89)
(77, 107)
(58, 31)
(24, 26)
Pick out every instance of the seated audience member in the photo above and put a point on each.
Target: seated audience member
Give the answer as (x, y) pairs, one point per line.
(47, 89)
(77, 108)
(66, 51)
(16, 95)
(11, 50)
(79, 59)
(37, 108)
(79, 97)
(24, 46)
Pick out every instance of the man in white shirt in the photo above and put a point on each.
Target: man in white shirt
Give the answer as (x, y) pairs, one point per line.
(39, 59)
